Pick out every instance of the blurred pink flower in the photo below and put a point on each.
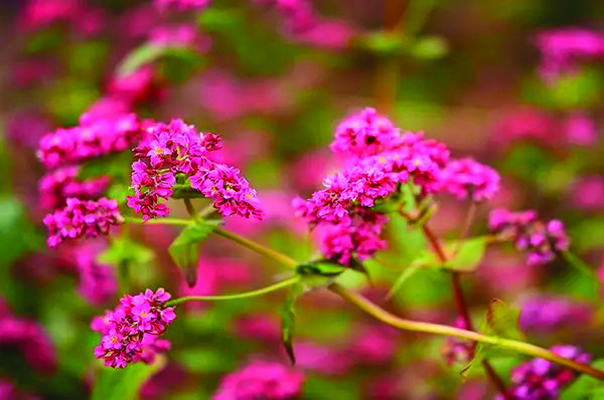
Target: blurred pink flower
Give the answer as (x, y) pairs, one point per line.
(580, 129)
(588, 193)
(258, 327)
(180, 35)
(524, 123)
(374, 345)
(322, 359)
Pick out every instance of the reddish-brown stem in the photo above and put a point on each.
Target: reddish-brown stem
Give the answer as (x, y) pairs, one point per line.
(462, 308)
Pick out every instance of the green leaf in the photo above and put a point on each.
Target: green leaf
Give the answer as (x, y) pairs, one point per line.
(139, 57)
(125, 251)
(320, 268)
(185, 191)
(585, 387)
(185, 248)
(429, 47)
(503, 320)
(288, 321)
(403, 277)
(123, 384)
(469, 255)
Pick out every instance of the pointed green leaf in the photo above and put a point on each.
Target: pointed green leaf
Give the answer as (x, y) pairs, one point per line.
(185, 248)
(322, 268)
(468, 256)
(402, 278)
(288, 321)
(139, 57)
(503, 320)
(124, 384)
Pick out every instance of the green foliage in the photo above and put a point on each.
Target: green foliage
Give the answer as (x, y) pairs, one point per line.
(123, 250)
(123, 384)
(185, 248)
(468, 256)
(502, 320)
(429, 47)
(586, 387)
(288, 320)
(140, 57)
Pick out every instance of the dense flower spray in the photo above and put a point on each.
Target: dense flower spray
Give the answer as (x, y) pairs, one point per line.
(82, 218)
(261, 380)
(541, 240)
(58, 185)
(563, 50)
(547, 313)
(540, 379)
(177, 149)
(380, 160)
(131, 331)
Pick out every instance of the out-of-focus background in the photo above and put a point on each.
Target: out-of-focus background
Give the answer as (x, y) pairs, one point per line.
(470, 73)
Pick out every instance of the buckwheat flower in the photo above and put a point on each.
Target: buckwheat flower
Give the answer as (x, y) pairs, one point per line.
(230, 191)
(365, 133)
(82, 218)
(588, 193)
(457, 350)
(92, 139)
(60, 184)
(541, 240)
(468, 179)
(261, 380)
(29, 337)
(580, 129)
(130, 333)
(539, 379)
(563, 50)
(525, 123)
(548, 313)
(374, 345)
(358, 237)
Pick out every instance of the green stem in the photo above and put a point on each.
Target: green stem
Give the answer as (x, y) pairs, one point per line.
(445, 330)
(162, 221)
(257, 248)
(191, 209)
(253, 293)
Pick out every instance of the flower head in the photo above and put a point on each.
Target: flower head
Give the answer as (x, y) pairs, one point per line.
(468, 179)
(60, 184)
(82, 218)
(541, 240)
(261, 380)
(539, 379)
(130, 333)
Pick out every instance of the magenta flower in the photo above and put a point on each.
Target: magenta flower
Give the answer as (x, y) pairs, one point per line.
(98, 282)
(457, 350)
(548, 313)
(539, 379)
(541, 240)
(91, 139)
(261, 380)
(563, 50)
(82, 218)
(178, 148)
(131, 331)
(468, 179)
(60, 184)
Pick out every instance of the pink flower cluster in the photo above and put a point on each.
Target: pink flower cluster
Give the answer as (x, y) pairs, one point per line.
(458, 350)
(60, 184)
(541, 240)
(548, 313)
(261, 380)
(131, 331)
(540, 379)
(41, 13)
(380, 160)
(94, 137)
(183, 5)
(468, 179)
(81, 218)
(177, 148)
(29, 337)
(563, 50)
(304, 25)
